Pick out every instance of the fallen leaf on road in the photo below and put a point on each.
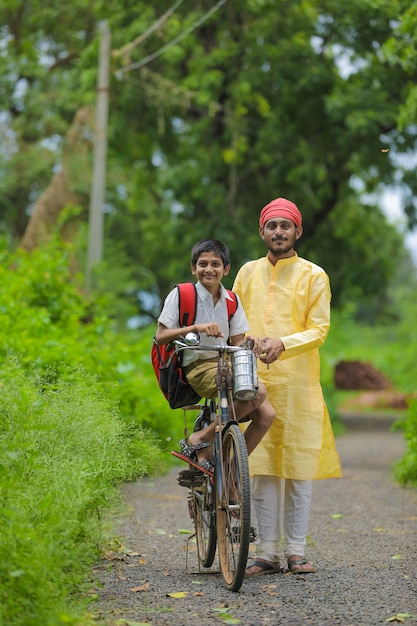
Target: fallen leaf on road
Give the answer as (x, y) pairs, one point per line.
(177, 594)
(114, 556)
(123, 622)
(396, 618)
(144, 587)
(337, 515)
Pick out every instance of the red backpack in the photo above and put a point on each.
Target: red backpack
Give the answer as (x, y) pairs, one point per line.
(165, 361)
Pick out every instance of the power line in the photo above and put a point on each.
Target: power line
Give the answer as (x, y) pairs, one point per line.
(129, 46)
(187, 31)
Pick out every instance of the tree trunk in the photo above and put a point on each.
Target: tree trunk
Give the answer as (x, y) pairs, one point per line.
(69, 186)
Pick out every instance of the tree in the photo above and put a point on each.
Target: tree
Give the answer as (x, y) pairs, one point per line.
(215, 112)
(67, 185)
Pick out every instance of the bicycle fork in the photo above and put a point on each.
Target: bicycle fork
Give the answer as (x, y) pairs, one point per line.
(225, 400)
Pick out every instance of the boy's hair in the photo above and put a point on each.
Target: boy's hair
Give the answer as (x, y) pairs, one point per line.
(210, 245)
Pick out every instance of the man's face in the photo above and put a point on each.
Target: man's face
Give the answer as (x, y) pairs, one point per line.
(280, 235)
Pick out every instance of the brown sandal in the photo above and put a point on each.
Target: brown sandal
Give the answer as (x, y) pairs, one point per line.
(265, 566)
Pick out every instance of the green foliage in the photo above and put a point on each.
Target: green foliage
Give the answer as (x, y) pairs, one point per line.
(406, 469)
(390, 347)
(264, 98)
(71, 429)
(63, 451)
(47, 321)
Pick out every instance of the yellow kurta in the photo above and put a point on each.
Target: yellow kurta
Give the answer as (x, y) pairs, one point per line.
(291, 301)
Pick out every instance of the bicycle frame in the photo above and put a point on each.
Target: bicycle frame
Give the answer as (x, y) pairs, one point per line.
(221, 511)
(224, 384)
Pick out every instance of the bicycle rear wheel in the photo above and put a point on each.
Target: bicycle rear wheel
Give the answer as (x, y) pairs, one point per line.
(233, 509)
(205, 523)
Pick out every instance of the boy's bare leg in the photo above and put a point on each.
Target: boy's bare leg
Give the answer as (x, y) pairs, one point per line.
(201, 436)
(259, 410)
(261, 420)
(261, 413)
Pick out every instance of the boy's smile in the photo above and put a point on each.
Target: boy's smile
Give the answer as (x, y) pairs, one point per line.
(210, 270)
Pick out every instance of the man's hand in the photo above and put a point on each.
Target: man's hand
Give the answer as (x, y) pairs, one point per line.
(267, 349)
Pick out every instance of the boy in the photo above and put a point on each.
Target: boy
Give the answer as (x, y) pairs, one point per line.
(210, 261)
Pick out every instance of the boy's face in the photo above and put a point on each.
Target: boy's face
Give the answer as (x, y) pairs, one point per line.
(210, 270)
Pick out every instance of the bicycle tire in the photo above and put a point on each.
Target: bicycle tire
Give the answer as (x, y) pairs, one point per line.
(205, 523)
(233, 509)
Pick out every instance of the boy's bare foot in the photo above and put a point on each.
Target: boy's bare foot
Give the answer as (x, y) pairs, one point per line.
(205, 454)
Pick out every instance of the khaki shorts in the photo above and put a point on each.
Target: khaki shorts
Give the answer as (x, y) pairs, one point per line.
(201, 376)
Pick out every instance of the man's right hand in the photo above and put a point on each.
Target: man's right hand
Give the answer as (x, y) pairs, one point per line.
(267, 349)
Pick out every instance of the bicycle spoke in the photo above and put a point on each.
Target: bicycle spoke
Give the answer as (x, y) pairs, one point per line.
(233, 511)
(205, 523)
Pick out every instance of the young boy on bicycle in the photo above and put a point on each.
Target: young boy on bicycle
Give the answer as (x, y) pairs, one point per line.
(210, 261)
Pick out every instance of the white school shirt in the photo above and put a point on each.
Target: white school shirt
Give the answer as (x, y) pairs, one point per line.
(206, 312)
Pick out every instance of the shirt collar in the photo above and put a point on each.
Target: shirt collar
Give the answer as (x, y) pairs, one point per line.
(203, 293)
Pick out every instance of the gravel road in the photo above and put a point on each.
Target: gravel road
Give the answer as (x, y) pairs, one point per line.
(363, 540)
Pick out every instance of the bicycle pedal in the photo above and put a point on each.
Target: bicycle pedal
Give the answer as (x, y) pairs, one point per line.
(190, 478)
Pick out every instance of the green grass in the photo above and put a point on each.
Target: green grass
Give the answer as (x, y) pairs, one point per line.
(64, 451)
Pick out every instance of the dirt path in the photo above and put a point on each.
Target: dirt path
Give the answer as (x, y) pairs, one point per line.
(363, 540)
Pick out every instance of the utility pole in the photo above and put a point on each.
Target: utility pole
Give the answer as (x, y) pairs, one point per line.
(98, 184)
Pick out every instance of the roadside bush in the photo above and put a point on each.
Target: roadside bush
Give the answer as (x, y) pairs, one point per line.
(63, 451)
(47, 321)
(65, 446)
(406, 470)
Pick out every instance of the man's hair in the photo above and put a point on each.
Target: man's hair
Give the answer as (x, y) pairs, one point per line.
(210, 245)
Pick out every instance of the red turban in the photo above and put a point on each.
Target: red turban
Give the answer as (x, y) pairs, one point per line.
(280, 207)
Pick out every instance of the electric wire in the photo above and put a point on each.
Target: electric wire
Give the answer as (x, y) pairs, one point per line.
(187, 31)
(129, 46)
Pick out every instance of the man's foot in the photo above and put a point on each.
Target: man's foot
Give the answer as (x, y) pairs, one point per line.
(299, 565)
(260, 567)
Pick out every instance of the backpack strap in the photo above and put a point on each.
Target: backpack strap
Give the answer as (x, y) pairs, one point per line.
(187, 296)
(231, 304)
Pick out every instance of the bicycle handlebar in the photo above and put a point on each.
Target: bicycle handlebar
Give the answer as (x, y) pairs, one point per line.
(193, 343)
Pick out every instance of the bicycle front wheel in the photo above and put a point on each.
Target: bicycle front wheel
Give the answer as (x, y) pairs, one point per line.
(205, 523)
(233, 508)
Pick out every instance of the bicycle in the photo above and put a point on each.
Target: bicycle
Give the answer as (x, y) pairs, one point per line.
(220, 500)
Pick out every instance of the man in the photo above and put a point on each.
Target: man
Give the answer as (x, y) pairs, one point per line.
(287, 303)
